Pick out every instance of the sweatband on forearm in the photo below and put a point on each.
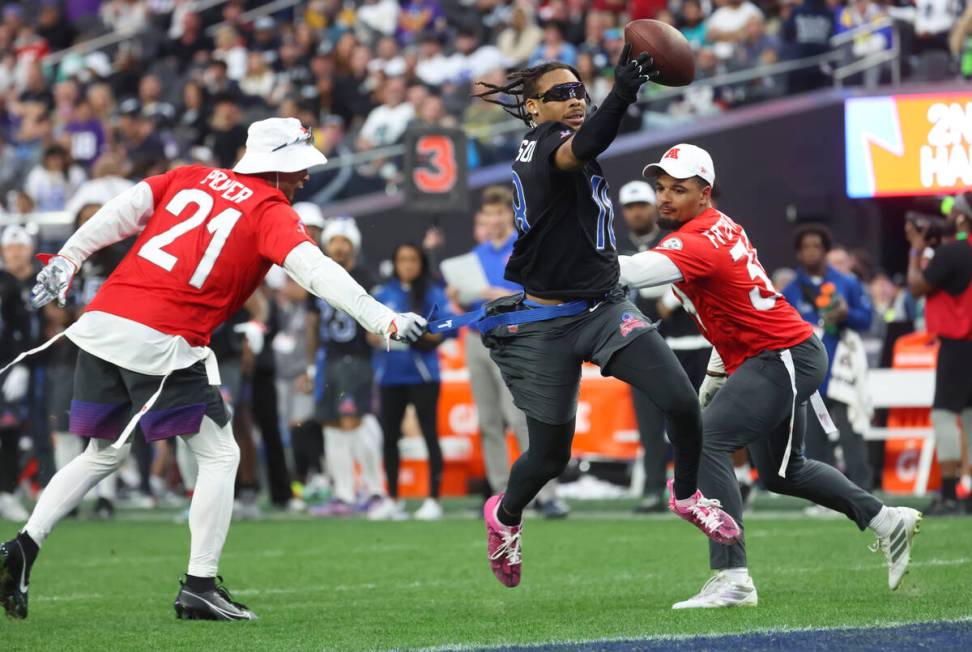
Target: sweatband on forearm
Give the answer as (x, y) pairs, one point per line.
(599, 131)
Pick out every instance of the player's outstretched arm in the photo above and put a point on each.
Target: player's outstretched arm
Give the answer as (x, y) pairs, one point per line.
(599, 130)
(123, 216)
(647, 269)
(324, 278)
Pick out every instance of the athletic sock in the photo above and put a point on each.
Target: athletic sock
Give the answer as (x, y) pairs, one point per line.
(29, 546)
(506, 518)
(883, 522)
(194, 583)
(948, 488)
(740, 574)
(743, 475)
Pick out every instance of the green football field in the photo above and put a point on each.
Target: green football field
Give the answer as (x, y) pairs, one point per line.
(357, 585)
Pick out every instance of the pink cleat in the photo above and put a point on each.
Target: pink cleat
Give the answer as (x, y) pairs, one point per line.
(502, 545)
(707, 515)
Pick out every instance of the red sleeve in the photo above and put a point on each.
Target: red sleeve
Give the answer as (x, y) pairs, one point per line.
(160, 185)
(692, 254)
(280, 231)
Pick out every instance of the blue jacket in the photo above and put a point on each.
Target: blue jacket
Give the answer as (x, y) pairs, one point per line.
(494, 262)
(801, 292)
(404, 365)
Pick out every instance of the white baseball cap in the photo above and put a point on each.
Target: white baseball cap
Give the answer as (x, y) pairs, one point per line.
(16, 235)
(683, 161)
(279, 145)
(344, 227)
(636, 192)
(310, 214)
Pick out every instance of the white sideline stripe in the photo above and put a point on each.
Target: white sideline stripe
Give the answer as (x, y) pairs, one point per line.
(878, 624)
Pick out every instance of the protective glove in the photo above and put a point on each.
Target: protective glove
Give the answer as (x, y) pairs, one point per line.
(254, 333)
(710, 387)
(53, 281)
(630, 74)
(15, 384)
(407, 327)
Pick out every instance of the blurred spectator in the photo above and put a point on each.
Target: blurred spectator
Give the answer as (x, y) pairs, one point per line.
(53, 27)
(522, 37)
(259, 80)
(419, 17)
(553, 47)
(344, 383)
(434, 67)
(53, 180)
(380, 15)
(124, 15)
(839, 258)
(15, 338)
(192, 117)
(806, 33)
(387, 122)
(409, 375)
(858, 13)
(105, 184)
(387, 59)
(229, 49)
(192, 45)
(836, 304)
(227, 135)
(943, 275)
(352, 88)
(691, 22)
(86, 135)
(756, 46)
(217, 81)
(143, 147)
(960, 42)
(727, 25)
(598, 86)
(153, 106)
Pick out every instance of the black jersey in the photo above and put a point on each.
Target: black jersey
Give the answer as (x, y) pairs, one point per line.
(565, 222)
(338, 331)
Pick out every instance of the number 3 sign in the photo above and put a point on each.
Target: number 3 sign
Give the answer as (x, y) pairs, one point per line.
(435, 170)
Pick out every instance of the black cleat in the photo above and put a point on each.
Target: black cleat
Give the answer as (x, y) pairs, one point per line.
(104, 509)
(214, 604)
(14, 576)
(651, 504)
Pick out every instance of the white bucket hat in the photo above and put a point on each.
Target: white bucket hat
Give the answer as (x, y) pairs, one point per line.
(279, 145)
(684, 161)
(344, 227)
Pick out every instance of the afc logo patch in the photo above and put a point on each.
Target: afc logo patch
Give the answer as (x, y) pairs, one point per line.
(673, 243)
(513, 329)
(631, 322)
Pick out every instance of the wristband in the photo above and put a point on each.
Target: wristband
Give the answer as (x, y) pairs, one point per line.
(716, 374)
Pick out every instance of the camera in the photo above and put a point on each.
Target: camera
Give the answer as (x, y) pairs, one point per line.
(934, 227)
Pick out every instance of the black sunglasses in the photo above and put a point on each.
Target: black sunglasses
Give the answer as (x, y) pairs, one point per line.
(562, 92)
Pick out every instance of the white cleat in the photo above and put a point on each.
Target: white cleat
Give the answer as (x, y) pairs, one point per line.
(722, 590)
(388, 509)
(430, 510)
(897, 545)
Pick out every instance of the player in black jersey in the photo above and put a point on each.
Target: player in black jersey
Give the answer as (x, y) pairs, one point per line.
(566, 254)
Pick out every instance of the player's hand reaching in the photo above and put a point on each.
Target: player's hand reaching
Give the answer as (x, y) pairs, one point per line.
(53, 282)
(407, 327)
(630, 73)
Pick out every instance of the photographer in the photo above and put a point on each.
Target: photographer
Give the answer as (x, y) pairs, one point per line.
(944, 276)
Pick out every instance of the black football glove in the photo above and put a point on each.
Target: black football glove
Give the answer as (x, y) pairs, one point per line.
(630, 74)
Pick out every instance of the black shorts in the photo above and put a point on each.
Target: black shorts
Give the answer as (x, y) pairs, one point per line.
(953, 375)
(541, 361)
(106, 397)
(348, 384)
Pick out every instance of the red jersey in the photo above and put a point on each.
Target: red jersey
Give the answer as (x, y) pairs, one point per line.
(204, 250)
(724, 286)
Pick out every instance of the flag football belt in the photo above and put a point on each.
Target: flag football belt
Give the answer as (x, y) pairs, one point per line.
(485, 322)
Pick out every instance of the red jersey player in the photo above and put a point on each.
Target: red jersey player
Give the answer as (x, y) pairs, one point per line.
(766, 365)
(206, 239)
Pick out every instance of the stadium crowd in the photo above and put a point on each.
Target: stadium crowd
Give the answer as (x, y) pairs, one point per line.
(79, 128)
(180, 84)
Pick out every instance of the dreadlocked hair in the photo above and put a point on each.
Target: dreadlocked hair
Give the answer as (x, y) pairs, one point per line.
(521, 85)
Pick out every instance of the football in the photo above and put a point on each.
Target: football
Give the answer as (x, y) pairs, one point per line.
(672, 53)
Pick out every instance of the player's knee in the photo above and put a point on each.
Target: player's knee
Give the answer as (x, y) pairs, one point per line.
(555, 462)
(105, 456)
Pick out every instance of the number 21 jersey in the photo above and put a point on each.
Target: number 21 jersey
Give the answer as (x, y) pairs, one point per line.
(206, 247)
(724, 286)
(565, 247)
